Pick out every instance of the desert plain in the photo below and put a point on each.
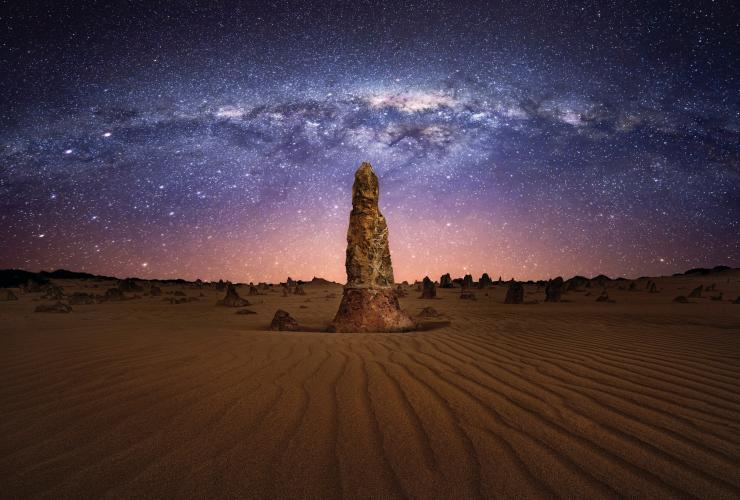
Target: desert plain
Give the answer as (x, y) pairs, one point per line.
(639, 397)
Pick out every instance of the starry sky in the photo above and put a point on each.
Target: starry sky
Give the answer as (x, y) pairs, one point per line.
(219, 139)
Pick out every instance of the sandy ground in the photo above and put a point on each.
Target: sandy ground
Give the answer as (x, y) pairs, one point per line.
(143, 398)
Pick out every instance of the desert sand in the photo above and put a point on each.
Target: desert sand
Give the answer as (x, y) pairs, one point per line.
(144, 398)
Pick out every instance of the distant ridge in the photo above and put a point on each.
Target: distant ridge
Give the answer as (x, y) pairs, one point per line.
(12, 278)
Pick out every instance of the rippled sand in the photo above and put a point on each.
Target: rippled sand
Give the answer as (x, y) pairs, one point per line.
(581, 399)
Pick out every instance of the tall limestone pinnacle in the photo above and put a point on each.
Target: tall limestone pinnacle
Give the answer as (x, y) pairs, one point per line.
(369, 302)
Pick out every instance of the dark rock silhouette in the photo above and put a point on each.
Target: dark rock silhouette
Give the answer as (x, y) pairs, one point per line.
(129, 285)
(369, 302)
(681, 300)
(737, 300)
(155, 291)
(604, 297)
(52, 292)
(717, 298)
(80, 298)
(56, 307)
(113, 295)
(696, 292)
(515, 293)
(575, 283)
(653, 288)
(232, 298)
(282, 321)
(445, 281)
(467, 294)
(298, 290)
(220, 285)
(554, 290)
(467, 281)
(253, 290)
(485, 281)
(428, 290)
(6, 295)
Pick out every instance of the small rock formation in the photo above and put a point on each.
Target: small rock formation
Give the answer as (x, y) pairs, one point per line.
(400, 291)
(52, 292)
(129, 285)
(445, 281)
(220, 285)
(717, 298)
(681, 300)
(485, 281)
(232, 298)
(245, 311)
(155, 291)
(467, 294)
(113, 295)
(604, 297)
(290, 283)
(554, 290)
(653, 288)
(253, 290)
(515, 293)
(57, 307)
(696, 292)
(6, 295)
(81, 298)
(284, 322)
(369, 303)
(467, 281)
(632, 287)
(428, 312)
(298, 290)
(428, 290)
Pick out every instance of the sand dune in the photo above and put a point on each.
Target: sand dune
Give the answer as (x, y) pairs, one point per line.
(581, 399)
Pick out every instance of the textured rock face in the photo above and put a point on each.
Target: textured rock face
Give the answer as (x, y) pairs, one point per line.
(369, 302)
(428, 290)
(445, 281)
(284, 322)
(515, 293)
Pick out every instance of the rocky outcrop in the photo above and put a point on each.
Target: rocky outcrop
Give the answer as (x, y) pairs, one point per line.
(284, 322)
(445, 281)
(155, 291)
(604, 297)
(6, 295)
(428, 289)
(554, 290)
(369, 302)
(232, 298)
(298, 290)
(253, 290)
(515, 293)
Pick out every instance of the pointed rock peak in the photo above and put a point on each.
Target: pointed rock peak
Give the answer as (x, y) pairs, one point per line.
(365, 192)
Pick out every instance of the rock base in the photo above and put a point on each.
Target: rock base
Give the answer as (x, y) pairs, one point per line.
(371, 310)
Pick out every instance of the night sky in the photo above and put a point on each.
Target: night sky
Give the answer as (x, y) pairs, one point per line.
(522, 139)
